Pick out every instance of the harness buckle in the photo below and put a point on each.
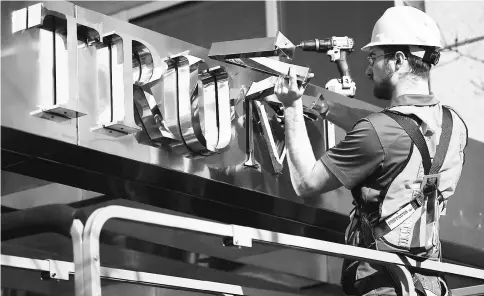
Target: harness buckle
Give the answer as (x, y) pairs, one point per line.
(430, 183)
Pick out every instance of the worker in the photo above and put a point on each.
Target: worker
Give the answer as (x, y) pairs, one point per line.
(382, 160)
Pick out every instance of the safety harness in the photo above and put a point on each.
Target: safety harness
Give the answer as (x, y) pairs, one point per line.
(373, 231)
(430, 181)
(429, 190)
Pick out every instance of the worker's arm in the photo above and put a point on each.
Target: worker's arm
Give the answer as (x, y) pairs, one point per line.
(308, 176)
(348, 163)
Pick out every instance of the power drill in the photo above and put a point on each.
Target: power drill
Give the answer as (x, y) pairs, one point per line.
(337, 48)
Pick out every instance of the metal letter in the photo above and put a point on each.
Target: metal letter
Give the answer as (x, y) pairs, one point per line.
(256, 53)
(277, 151)
(150, 119)
(115, 60)
(224, 117)
(190, 107)
(250, 48)
(212, 120)
(60, 19)
(203, 108)
(19, 20)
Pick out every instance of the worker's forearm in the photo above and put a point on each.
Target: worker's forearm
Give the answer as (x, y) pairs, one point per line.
(300, 155)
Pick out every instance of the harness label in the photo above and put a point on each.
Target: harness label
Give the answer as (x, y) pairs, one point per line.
(400, 216)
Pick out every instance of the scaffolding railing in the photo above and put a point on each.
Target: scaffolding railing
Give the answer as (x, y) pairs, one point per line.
(88, 271)
(61, 219)
(134, 277)
(242, 237)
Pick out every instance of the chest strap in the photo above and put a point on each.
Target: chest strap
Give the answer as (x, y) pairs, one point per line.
(430, 167)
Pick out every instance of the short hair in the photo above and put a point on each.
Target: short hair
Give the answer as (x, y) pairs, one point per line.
(418, 67)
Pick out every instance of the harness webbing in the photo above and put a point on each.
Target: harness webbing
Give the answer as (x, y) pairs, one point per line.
(430, 167)
(414, 133)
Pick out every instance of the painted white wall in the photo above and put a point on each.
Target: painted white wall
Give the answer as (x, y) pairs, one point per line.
(458, 79)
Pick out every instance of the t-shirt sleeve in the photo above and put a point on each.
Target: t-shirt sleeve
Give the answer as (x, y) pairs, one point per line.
(357, 156)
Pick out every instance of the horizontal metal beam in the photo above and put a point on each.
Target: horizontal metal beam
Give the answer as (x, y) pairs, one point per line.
(145, 278)
(123, 257)
(469, 291)
(35, 264)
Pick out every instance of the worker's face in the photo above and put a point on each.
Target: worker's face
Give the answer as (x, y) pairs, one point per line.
(380, 72)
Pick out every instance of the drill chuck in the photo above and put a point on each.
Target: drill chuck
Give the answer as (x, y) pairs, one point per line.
(317, 45)
(327, 44)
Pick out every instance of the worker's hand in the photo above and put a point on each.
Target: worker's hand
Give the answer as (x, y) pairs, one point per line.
(287, 90)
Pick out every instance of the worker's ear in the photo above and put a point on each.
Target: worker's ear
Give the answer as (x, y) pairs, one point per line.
(400, 58)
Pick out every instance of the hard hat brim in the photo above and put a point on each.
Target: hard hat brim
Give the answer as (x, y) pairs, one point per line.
(368, 47)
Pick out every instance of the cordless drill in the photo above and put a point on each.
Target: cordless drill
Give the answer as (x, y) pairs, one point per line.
(337, 48)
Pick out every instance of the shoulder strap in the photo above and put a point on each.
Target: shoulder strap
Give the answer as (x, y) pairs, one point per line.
(444, 141)
(414, 133)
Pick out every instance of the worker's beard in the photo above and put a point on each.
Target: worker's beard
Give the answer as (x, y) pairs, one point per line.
(383, 89)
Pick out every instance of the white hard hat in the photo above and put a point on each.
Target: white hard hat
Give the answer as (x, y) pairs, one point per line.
(405, 25)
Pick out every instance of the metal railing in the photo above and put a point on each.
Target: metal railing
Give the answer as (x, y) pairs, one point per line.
(61, 219)
(55, 269)
(88, 271)
(134, 277)
(240, 236)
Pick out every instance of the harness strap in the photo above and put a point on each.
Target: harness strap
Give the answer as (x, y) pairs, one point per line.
(413, 131)
(447, 123)
(387, 225)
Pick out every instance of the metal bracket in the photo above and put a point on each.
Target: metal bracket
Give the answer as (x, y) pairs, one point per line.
(57, 272)
(114, 129)
(56, 113)
(241, 236)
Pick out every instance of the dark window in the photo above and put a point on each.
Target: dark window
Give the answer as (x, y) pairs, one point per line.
(202, 23)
